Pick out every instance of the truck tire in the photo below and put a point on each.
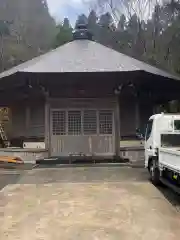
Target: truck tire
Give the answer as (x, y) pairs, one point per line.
(154, 172)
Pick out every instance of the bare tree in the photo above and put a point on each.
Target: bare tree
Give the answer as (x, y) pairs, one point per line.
(4, 31)
(142, 8)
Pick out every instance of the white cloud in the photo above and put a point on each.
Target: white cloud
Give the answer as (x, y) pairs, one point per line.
(56, 5)
(60, 9)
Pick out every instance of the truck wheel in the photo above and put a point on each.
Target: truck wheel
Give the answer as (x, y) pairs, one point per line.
(154, 173)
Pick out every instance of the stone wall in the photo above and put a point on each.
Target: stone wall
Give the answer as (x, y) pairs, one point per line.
(135, 155)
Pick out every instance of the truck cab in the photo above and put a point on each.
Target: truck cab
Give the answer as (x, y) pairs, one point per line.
(157, 124)
(162, 146)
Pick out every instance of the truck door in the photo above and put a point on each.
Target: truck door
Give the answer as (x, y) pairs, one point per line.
(148, 142)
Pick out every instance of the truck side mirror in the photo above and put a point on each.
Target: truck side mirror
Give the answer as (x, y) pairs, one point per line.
(139, 134)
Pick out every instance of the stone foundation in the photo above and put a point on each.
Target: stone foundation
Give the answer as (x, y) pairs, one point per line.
(135, 155)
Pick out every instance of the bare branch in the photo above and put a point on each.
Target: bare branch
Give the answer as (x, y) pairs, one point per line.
(142, 8)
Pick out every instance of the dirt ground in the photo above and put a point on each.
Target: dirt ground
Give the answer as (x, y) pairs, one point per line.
(105, 202)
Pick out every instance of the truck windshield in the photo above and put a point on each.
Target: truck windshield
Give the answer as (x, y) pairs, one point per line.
(149, 129)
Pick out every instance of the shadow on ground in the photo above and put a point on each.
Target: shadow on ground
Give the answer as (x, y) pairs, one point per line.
(12, 173)
(12, 166)
(84, 174)
(172, 197)
(6, 179)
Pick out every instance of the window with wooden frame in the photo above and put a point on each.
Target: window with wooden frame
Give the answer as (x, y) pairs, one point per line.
(74, 123)
(90, 122)
(105, 122)
(59, 122)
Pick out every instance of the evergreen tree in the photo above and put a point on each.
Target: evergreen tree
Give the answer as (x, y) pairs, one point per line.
(64, 34)
(31, 30)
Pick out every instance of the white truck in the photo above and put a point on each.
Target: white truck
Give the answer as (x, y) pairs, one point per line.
(162, 150)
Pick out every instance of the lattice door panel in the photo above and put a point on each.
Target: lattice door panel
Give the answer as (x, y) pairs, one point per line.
(84, 131)
(74, 123)
(90, 122)
(106, 122)
(59, 122)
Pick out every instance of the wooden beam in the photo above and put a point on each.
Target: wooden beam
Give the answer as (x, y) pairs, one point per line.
(137, 116)
(27, 116)
(47, 126)
(117, 128)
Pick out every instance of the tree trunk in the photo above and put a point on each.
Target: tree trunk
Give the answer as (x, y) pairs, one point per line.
(1, 53)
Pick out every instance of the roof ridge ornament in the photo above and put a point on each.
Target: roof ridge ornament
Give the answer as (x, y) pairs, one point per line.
(81, 32)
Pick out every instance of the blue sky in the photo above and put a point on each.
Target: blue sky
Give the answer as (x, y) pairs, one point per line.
(67, 8)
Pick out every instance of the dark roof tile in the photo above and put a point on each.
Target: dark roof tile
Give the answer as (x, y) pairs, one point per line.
(84, 56)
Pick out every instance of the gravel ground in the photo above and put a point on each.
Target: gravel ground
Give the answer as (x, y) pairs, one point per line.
(102, 202)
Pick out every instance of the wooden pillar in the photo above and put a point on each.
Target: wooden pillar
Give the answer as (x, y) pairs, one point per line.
(47, 126)
(27, 120)
(117, 127)
(137, 114)
(145, 111)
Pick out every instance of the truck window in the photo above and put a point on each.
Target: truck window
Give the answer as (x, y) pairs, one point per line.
(177, 125)
(149, 129)
(170, 140)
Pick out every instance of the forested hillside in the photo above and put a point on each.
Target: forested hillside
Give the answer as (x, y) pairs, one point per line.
(26, 30)
(141, 29)
(148, 30)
